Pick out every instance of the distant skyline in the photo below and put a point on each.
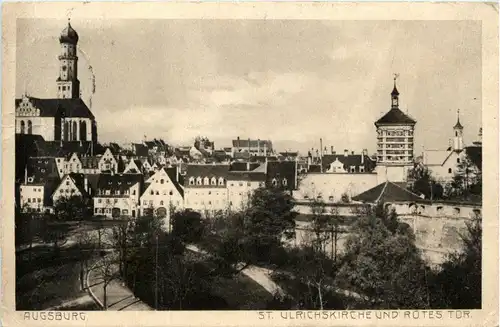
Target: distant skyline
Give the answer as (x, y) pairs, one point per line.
(290, 81)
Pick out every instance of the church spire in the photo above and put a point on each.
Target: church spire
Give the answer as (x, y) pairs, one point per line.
(395, 93)
(458, 125)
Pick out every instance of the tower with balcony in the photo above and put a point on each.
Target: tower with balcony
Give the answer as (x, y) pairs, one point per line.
(395, 145)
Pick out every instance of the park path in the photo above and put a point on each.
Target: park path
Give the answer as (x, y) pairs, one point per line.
(259, 274)
(119, 296)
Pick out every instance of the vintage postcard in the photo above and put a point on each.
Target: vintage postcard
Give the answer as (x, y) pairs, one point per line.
(253, 164)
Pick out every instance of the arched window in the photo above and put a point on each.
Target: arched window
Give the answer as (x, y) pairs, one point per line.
(275, 182)
(191, 180)
(198, 181)
(171, 193)
(221, 181)
(67, 131)
(83, 131)
(73, 134)
(22, 126)
(449, 170)
(213, 181)
(30, 127)
(285, 182)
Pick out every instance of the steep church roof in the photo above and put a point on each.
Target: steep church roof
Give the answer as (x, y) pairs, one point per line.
(69, 107)
(397, 117)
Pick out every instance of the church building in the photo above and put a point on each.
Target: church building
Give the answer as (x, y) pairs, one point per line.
(394, 142)
(64, 118)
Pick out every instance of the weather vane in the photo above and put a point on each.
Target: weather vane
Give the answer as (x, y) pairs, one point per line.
(396, 75)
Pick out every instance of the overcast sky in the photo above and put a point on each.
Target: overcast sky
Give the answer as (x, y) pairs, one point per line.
(292, 81)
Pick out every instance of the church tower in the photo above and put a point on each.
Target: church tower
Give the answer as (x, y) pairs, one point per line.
(458, 135)
(68, 85)
(394, 141)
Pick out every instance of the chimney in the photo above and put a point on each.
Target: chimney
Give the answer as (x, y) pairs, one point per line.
(238, 143)
(86, 184)
(331, 150)
(346, 152)
(248, 145)
(26, 174)
(265, 149)
(177, 173)
(321, 147)
(248, 165)
(363, 157)
(258, 147)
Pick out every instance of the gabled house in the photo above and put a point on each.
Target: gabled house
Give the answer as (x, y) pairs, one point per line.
(134, 167)
(282, 174)
(71, 185)
(73, 164)
(108, 162)
(162, 192)
(348, 163)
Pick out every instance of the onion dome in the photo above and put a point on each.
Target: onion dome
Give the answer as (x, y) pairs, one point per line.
(68, 35)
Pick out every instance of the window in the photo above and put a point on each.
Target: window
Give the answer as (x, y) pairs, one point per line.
(439, 209)
(458, 160)
(152, 192)
(330, 198)
(29, 200)
(125, 211)
(144, 202)
(162, 181)
(449, 170)
(191, 181)
(353, 169)
(275, 182)
(209, 202)
(476, 212)
(108, 192)
(456, 211)
(249, 184)
(198, 181)
(117, 192)
(205, 181)
(133, 192)
(67, 183)
(241, 184)
(284, 182)
(361, 169)
(99, 200)
(96, 210)
(213, 181)
(157, 192)
(221, 181)
(116, 200)
(171, 193)
(161, 203)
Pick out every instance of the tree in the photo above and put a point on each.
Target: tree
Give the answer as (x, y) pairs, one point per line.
(458, 283)
(467, 177)
(268, 220)
(383, 263)
(187, 225)
(73, 208)
(86, 246)
(320, 223)
(424, 183)
(54, 232)
(107, 269)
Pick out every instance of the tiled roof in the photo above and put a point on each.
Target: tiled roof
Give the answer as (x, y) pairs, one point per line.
(348, 161)
(436, 157)
(140, 149)
(386, 192)
(241, 155)
(262, 159)
(175, 178)
(71, 107)
(116, 182)
(201, 170)
(395, 116)
(282, 170)
(42, 169)
(252, 143)
(249, 176)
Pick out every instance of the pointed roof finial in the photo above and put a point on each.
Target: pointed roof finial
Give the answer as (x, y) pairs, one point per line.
(458, 125)
(395, 90)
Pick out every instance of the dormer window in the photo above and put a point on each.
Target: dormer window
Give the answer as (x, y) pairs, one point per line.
(221, 181)
(275, 182)
(361, 169)
(205, 181)
(198, 181)
(284, 182)
(353, 169)
(191, 180)
(213, 181)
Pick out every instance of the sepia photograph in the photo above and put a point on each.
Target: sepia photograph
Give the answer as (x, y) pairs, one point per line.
(249, 165)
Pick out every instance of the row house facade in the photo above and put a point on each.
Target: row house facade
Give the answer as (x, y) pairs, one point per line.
(41, 178)
(117, 195)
